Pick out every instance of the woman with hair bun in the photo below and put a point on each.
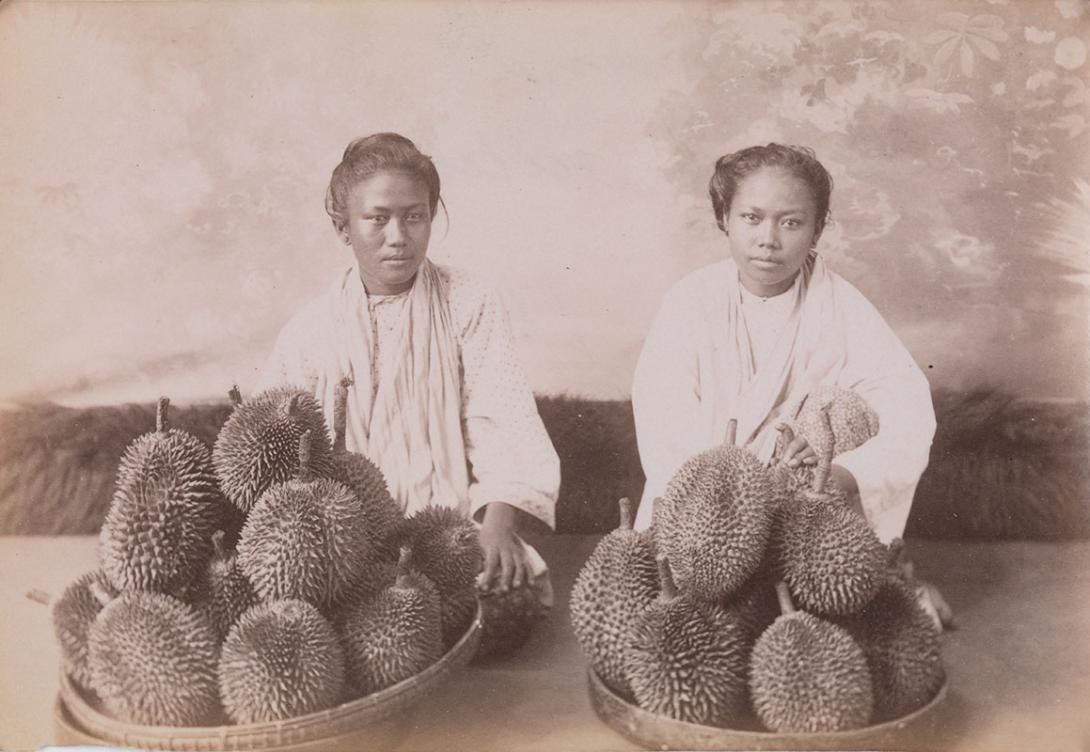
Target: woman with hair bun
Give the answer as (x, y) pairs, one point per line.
(751, 336)
(438, 400)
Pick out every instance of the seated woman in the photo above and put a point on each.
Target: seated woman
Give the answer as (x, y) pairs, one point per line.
(438, 400)
(750, 336)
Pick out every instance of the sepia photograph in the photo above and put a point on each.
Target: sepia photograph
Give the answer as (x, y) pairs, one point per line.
(593, 376)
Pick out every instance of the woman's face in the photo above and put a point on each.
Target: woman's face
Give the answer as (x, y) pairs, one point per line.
(388, 225)
(771, 227)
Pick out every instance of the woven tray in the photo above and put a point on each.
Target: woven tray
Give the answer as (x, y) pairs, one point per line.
(654, 731)
(80, 718)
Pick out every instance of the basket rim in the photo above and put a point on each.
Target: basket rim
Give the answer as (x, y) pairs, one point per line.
(348, 715)
(859, 735)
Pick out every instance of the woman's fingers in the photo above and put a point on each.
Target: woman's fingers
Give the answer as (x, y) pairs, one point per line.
(798, 452)
(507, 570)
(491, 567)
(521, 572)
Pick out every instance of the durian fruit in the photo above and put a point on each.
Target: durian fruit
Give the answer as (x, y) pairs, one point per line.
(902, 649)
(445, 547)
(456, 611)
(618, 581)
(73, 613)
(223, 591)
(808, 675)
(831, 559)
(833, 420)
(305, 538)
(396, 634)
(281, 659)
(153, 660)
(714, 520)
(258, 446)
(362, 476)
(157, 533)
(507, 621)
(755, 604)
(688, 659)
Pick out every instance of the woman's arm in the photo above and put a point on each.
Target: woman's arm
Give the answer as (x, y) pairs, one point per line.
(513, 465)
(887, 468)
(670, 425)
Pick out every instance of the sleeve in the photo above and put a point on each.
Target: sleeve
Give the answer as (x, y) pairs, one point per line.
(666, 399)
(888, 467)
(510, 454)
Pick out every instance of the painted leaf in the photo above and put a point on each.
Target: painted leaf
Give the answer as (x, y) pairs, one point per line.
(946, 52)
(987, 48)
(987, 25)
(941, 35)
(967, 60)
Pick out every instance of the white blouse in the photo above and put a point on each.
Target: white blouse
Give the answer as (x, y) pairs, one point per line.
(510, 454)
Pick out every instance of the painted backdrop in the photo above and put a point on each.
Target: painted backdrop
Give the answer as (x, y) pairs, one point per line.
(164, 168)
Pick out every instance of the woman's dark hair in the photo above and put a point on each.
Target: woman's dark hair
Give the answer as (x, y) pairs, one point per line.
(800, 161)
(379, 152)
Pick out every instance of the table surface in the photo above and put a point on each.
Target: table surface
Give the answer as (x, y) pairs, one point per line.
(1018, 662)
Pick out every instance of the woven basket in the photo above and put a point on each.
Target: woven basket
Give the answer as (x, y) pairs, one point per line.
(79, 718)
(654, 731)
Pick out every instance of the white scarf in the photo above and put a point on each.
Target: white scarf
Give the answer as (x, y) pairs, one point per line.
(411, 426)
(810, 351)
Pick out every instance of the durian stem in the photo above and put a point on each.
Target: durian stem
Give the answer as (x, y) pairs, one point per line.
(340, 413)
(217, 544)
(290, 406)
(669, 589)
(626, 514)
(162, 424)
(405, 555)
(100, 593)
(787, 435)
(235, 396)
(732, 432)
(825, 461)
(305, 474)
(784, 597)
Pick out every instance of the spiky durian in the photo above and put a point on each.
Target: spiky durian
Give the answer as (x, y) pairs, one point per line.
(456, 611)
(363, 477)
(258, 446)
(157, 533)
(617, 582)
(396, 634)
(714, 519)
(808, 675)
(281, 659)
(507, 621)
(833, 420)
(830, 558)
(305, 538)
(445, 547)
(687, 658)
(223, 591)
(902, 649)
(153, 661)
(73, 613)
(755, 604)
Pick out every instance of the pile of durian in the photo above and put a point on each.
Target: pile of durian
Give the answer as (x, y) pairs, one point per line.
(269, 577)
(758, 599)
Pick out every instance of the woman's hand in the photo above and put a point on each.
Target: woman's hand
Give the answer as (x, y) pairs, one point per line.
(505, 564)
(798, 451)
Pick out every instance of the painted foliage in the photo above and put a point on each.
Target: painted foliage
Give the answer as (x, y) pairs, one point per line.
(957, 135)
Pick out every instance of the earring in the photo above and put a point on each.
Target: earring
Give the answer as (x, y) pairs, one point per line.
(347, 240)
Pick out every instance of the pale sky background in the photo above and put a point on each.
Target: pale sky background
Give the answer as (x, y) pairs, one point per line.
(165, 165)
